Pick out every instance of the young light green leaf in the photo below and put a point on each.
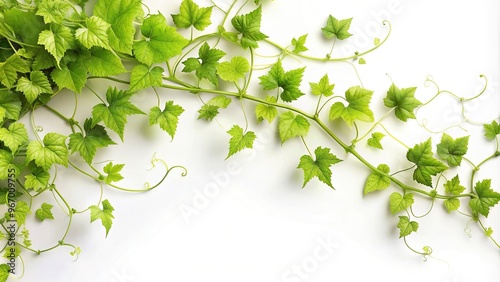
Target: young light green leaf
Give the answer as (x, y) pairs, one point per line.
(192, 15)
(291, 125)
(377, 181)
(143, 77)
(53, 11)
(105, 215)
(21, 211)
(120, 14)
(451, 204)
(4, 272)
(362, 61)
(104, 63)
(114, 115)
(239, 140)
(288, 81)
(220, 101)
(205, 66)
(166, 118)
(398, 202)
(319, 167)
(37, 179)
(57, 40)
(228, 35)
(113, 172)
(72, 76)
(44, 212)
(161, 41)
(10, 105)
(486, 198)
(14, 136)
(233, 70)
(358, 107)
(375, 140)
(427, 166)
(95, 137)
(403, 100)
(51, 151)
(95, 33)
(7, 164)
(249, 27)
(492, 130)
(9, 69)
(406, 227)
(336, 28)
(266, 111)
(208, 112)
(453, 187)
(323, 87)
(37, 84)
(299, 44)
(452, 150)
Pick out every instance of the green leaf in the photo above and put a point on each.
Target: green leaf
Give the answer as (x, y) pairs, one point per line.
(120, 14)
(362, 61)
(161, 41)
(406, 227)
(4, 272)
(451, 204)
(319, 167)
(427, 166)
(10, 105)
(25, 24)
(143, 77)
(403, 100)
(336, 28)
(53, 11)
(14, 136)
(57, 40)
(113, 172)
(323, 87)
(114, 115)
(7, 164)
(291, 125)
(491, 130)
(37, 179)
(192, 15)
(453, 187)
(398, 202)
(249, 27)
(72, 76)
(358, 107)
(105, 215)
(374, 141)
(233, 70)
(43, 60)
(52, 151)
(288, 81)
(205, 66)
(239, 140)
(377, 181)
(37, 84)
(95, 137)
(94, 33)
(228, 35)
(21, 211)
(208, 112)
(104, 63)
(299, 44)
(220, 101)
(45, 212)
(452, 150)
(265, 111)
(166, 118)
(10, 68)
(486, 198)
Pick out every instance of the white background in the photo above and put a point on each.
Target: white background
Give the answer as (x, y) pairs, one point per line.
(250, 220)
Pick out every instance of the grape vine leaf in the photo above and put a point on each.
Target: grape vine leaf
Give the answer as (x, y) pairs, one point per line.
(52, 150)
(234, 70)
(105, 215)
(143, 77)
(192, 15)
(453, 187)
(239, 140)
(103, 63)
(10, 68)
(10, 105)
(120, 14)
(323, 87)
(112, 172)
(72, 76)
(166, 118)
(95, 137)
(288, 81)
(6, 164)
(358, 107)
(44, 212)
(14, 136)
(377, 181)
(21, 211)
(398, 202)
(266, 111)
(318, 167)
(291, 125)
(220, 101)
(114, 115)
(486, 198)
(161, 41)
(403, 100)
(94, 33)
(249, 27)
(427, 166)
(452, 150)
(208, 112)
(37, 179)
(19, 19)
(37, 84)
(336, 28)
(57, 40)
(4, 272)
(299, 44)
(491, 130)
(205, 66)
(451, 204)
(375, 140)
(53, 11)
(406, 227)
